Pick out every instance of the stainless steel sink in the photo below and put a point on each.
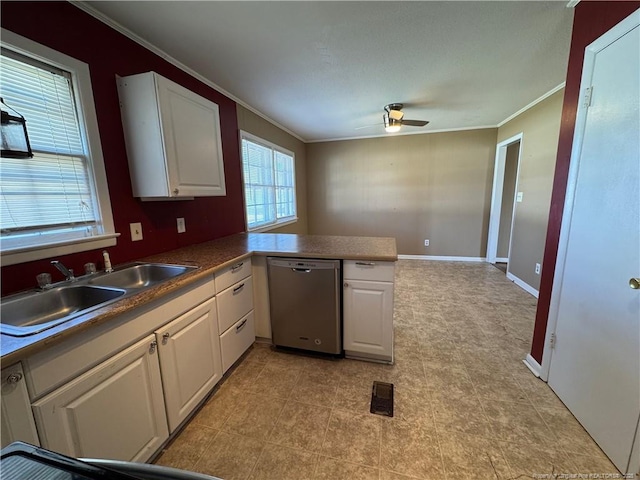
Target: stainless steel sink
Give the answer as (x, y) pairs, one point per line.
(32, 312)
(141, 275)
(27, 314)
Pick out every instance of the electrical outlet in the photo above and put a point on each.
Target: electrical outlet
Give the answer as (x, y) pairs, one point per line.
(519, 197)
(181, 225)
(426, 242)
(537, 269)
(136, 231)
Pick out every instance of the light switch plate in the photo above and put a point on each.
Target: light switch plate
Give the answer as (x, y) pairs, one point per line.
(519, 197)
(136, 231)
(181, 225)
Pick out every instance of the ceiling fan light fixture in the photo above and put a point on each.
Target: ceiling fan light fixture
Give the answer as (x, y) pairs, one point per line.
(391, 125)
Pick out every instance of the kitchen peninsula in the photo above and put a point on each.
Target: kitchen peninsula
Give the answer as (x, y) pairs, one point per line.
(147, 361)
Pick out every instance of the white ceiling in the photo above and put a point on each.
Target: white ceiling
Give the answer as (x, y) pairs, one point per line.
(322, 68)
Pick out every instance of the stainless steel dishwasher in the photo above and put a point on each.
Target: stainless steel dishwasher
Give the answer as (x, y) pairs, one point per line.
(305, 303)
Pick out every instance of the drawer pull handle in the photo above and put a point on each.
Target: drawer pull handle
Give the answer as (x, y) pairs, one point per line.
(238, 288)
(237, 266)
(239, 327)
(16, 377)
(366, 264)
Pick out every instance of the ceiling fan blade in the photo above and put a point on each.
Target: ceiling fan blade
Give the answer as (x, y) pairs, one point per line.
(369, 126)
(414, 123)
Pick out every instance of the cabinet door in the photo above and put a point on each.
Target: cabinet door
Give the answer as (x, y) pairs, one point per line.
(190, 360)
(115, 410)
(16, 416)
(191, 131)
(368, 319)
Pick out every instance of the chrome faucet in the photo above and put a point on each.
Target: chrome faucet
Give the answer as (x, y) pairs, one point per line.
(68, 274)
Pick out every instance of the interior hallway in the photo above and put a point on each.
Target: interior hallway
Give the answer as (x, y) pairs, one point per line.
(465, 405)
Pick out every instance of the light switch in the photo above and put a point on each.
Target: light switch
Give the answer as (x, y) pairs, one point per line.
(136, 231)
(519, 197)
(181, 225)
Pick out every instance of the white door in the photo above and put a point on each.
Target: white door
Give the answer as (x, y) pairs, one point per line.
(190, 360)
(191, 128)
(368, 318)
(595, 364)
(16, 419)
(115, 410)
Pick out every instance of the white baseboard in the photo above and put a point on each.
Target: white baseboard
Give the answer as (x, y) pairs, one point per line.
(502, 260)
(532, 364)
(525, 286)
(443, 259)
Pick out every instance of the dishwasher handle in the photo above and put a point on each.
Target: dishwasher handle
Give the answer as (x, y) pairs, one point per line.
(301, 270)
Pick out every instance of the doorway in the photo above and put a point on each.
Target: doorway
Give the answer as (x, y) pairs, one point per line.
(503, 201)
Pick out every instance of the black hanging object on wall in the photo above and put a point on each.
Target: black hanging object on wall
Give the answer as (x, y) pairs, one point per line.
(14, 136)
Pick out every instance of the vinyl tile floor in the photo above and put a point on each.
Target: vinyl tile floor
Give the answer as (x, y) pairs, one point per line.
(466, 407)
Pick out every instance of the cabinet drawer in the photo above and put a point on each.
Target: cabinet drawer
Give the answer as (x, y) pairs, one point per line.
(235, 341)
(234, 303)
(233, 274)
(368, 270)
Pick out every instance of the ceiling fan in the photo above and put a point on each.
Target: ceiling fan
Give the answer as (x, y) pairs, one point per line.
(393, 119)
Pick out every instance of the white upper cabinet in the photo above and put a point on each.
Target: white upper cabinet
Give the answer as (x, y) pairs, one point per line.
(172, 137)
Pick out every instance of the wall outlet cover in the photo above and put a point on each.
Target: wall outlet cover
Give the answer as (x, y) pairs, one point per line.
(426, 242)
(181, 225)
(519, 197)
(136, 231)
(537, 268)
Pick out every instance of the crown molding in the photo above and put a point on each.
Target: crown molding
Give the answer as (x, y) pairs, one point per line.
(84, 6)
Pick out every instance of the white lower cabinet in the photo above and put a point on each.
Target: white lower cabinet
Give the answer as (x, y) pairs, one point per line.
(15, 413)
(368, 310)
(236, 340)
(115, 410)
(190, 360)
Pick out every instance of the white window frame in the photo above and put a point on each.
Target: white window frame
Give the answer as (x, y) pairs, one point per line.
(89, 131)
(273, 146)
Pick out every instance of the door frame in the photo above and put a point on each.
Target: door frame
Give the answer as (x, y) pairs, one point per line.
(496, 197)
(621, 29)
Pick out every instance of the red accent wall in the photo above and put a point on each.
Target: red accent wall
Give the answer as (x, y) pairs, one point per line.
(591, 20)
(63, 27)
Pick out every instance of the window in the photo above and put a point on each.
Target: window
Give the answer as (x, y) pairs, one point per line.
(269, 183)
(56, 202)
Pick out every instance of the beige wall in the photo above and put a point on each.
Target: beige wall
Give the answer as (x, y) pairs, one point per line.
(508, 198)
(258, 126)
(540, 126)
(412, 187)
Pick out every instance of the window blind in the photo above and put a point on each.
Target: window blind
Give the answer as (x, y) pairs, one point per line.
(51, 191)
(269, 182)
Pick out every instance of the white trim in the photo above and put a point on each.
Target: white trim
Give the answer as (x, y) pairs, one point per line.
(401, 133)
(532, 365)
(442, 258)
(57, 250)
(572, 3)
(532, 104)
(496, 195)
(622, 28)
(88, 121)
(82, 5)
(523, 285)
(273, 226)
(502, 259)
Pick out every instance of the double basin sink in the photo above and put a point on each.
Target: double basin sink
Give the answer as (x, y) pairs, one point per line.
(32, 312)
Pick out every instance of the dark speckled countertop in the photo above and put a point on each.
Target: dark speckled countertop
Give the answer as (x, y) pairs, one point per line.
(210, 257)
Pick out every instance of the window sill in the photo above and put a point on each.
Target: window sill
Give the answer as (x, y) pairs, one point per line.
(27, 254)
(272, 226)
